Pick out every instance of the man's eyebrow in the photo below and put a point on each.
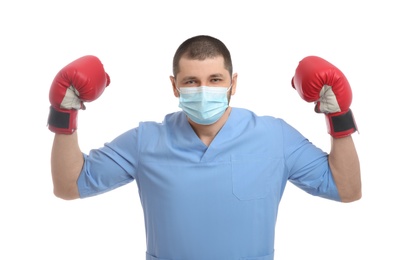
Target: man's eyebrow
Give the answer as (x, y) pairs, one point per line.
(216, 75)
(189, 78)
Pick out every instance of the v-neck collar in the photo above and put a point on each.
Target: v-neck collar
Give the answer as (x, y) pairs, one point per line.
(207, 153)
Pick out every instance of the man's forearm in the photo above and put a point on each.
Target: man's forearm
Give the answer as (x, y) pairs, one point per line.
(66, 164)
(345, 166)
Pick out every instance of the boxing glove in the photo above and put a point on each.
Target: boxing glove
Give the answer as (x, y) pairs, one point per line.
(82, 80)
(317, 80)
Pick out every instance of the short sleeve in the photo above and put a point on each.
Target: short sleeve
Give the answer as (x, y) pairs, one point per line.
(308, 165)
(110, 166)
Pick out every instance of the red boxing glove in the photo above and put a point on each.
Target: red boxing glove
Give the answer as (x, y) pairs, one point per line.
(83, 80)
(317, 80)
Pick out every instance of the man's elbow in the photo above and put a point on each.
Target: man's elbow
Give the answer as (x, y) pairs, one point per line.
(352, 196)
(66, 193)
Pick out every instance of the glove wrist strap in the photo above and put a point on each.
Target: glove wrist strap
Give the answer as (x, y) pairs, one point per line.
(62, 121)
(341, 124)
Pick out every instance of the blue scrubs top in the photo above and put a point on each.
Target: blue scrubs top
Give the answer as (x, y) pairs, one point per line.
(218, 202)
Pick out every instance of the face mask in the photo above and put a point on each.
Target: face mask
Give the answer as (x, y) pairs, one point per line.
(204, 105)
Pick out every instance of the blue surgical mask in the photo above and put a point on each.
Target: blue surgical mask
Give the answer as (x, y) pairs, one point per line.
(204, 105)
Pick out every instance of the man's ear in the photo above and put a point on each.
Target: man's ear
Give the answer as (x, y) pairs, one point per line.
(175, 90)
(234, 83)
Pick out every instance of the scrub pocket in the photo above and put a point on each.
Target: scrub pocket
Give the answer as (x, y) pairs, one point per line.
(255, 175)
(150, 257)
(267, 257)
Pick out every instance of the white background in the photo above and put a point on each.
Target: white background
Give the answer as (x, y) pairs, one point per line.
(136, 41)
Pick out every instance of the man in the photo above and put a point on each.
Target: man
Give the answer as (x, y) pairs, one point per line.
(210, 177)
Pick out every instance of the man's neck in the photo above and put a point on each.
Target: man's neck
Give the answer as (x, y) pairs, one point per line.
(208, 132)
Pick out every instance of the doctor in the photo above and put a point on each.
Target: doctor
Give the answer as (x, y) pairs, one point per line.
(211, 176)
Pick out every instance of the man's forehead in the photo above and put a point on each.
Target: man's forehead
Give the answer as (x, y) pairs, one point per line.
(215, 59)
(212, 65)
